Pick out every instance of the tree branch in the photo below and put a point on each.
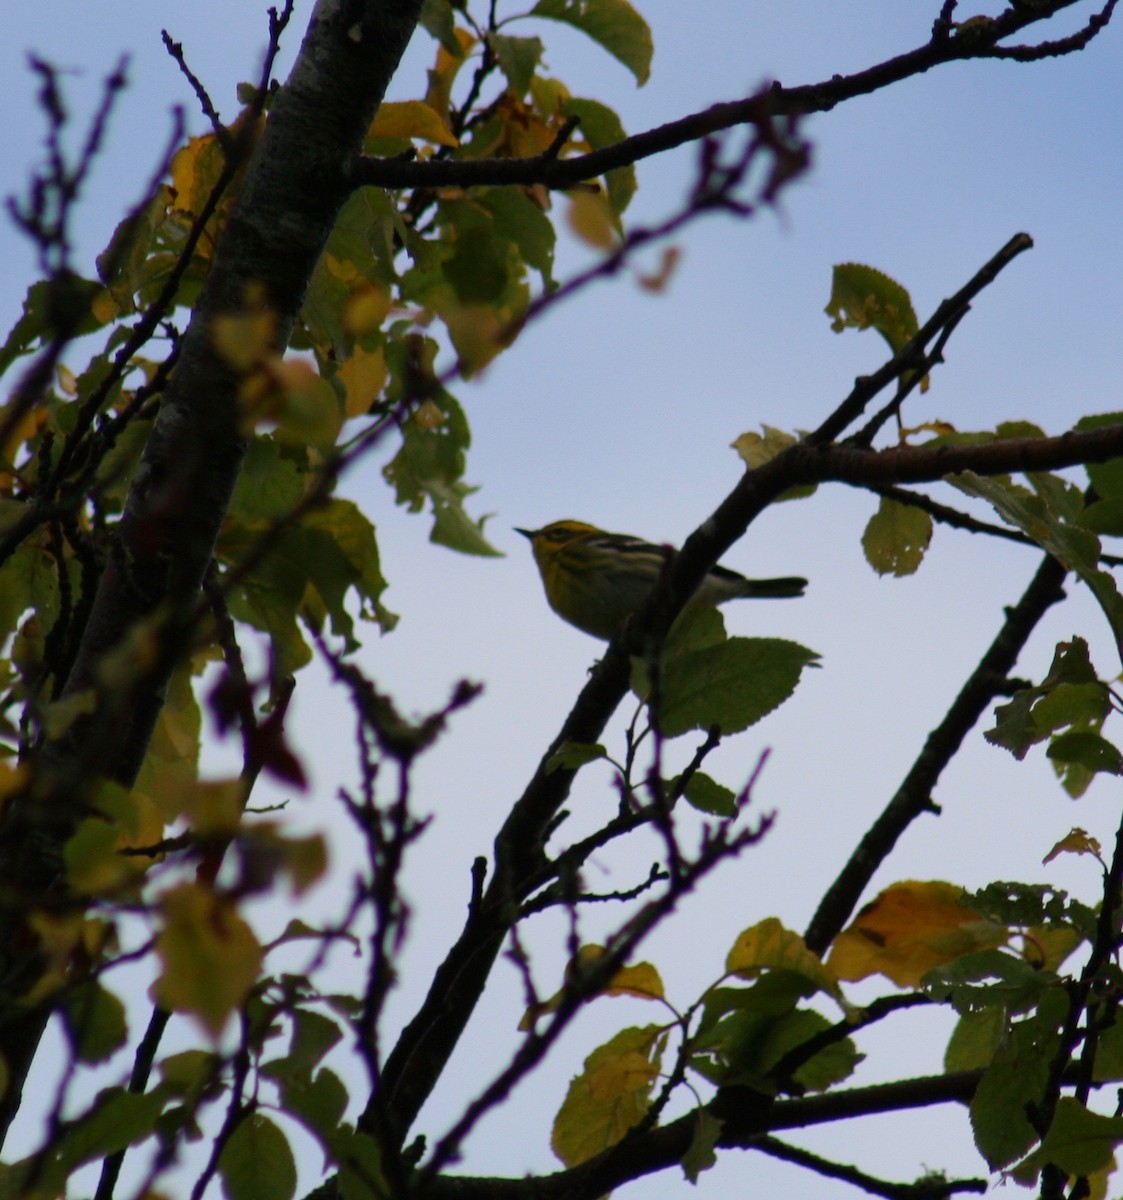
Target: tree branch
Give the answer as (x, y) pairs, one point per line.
(953, 44)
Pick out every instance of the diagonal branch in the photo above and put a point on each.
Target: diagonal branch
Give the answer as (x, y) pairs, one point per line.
(948, 44)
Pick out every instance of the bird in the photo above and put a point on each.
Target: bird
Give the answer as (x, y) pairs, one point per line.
(596, 580)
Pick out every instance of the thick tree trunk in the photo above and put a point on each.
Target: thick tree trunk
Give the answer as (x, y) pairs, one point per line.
(292, 192)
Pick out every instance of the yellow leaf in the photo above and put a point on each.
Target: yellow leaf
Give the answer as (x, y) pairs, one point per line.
(443, 75)
(125, 821)
(910, 928)
(244, 339)
(429, 416)
(478, 335)
(755, 450)
(291, 394)
(411, 119)
(1077, 841)
(590, 217)
(67, 381)
(365, 310)
(364, 377)
(104, 307)
(641, 980)
(63, 939)
(769, 946)
(214, 807)
(609, 1097)
(209, 956)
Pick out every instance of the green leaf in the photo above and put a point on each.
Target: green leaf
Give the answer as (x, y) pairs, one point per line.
(986, 979)
(360, 1166)
(707, 795)
(269, 485)
(1079, 1142)
(95, 1021)
(518, 58)
(1104, 517)
(313, 1035)
(438, 22)
(1014, 726)
(317, 1103)
(257, 1163)
(1016, 1077)
(613, 24)
(1105, 477)
(974, 1039)
(571, 756)
(1088, 750)
(1076, 548)
(896, 538)
(700, 1155)
(865, 298)
(831, 1065)
(478, 267)
(601, 127)
(732, 684)
(429, 467)
(1108, 1066)
(519, 220)
(117, 1120)
(52, 306)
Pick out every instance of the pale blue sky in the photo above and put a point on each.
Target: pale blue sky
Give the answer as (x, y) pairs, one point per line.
(619, 409)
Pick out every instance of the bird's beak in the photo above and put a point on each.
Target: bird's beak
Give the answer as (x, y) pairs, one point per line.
(527, 533)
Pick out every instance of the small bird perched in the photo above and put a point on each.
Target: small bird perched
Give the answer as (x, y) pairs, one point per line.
(596, 580)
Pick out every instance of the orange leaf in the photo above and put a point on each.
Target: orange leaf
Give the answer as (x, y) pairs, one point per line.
(909, 929)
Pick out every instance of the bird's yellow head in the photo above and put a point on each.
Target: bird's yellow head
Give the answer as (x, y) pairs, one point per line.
(548, 540)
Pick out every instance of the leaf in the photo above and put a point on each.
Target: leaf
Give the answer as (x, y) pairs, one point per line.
(1015, 1078)
(1076, 548)
(256, 1162)
(610, 1095)
(317, 1103)
(613, 24)
(707, 795)
(1076, 841)
(1079, 1142)
(731, 684)
(116, 1120)
(591, 218)
(600, 126)
(974, 1039)
(641, 980)
(755, 449)
(909, 929)
(429, 467)
(209, 956)
(700, 1155)
(1105, 477)
(269, 485)
(360, 1166)
(865, 298)
(437, 20)
(989, 979)
(1089, 750)
(518, 58)
(95, 1021)
(413, 120)
(896, 538)
(571, 756)
(769, 946)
